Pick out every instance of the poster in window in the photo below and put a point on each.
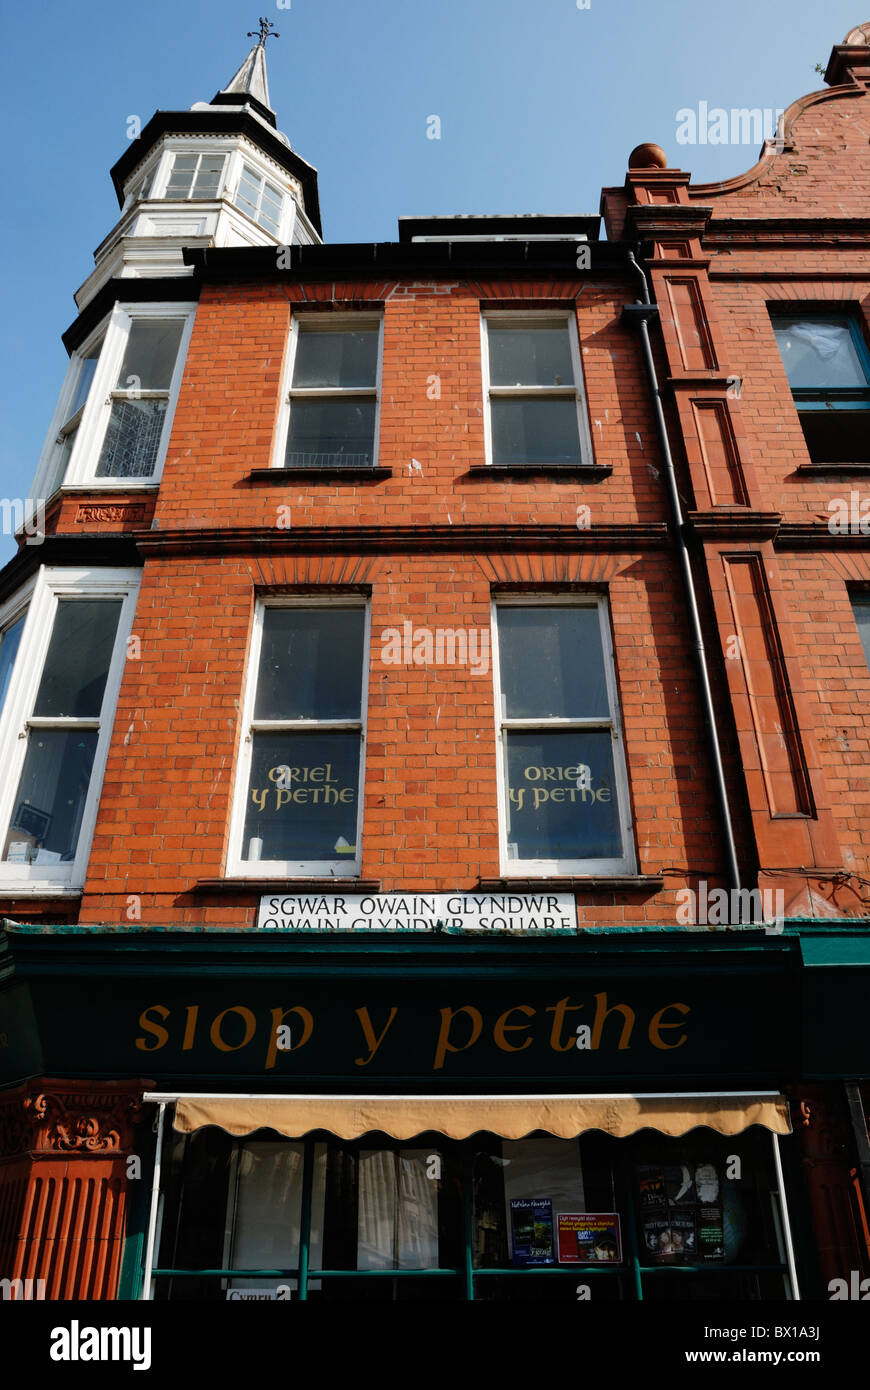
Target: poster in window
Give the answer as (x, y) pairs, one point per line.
(587, 1237)
(680, 1213)
(532, 1231)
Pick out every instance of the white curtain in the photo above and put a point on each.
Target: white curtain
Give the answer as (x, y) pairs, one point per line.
(398, 1210)
(265, 1209)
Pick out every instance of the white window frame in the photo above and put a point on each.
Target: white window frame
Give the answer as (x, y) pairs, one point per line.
(158, 190)
(289, 393)
(146, 176)
(50, 585)
(94, 421)
(264, 179)
(49, 479)
(237, 867)
(577, 390)
(532, 868)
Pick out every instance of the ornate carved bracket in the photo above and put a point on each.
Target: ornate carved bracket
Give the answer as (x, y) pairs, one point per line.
(61, 1117)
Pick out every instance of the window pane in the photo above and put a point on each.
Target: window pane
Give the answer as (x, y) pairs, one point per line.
(132, 439)
(535, 431)
(549, 815)
(819, 352)
(313, 814)
(10, 640)
(552, 663)
(861, 607)
(511, 1171)
(77, 662)
(51, 796)
(268, 1207)
(209, 176)
(535, 355)
(267, 1214)
(331, 433)
(311, 664)
(267, 221)
(336, 359)
(86, 376)
(152, 347)
(181, 178)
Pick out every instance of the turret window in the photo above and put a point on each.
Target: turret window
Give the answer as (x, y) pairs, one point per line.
(195, 176)
(260, 199)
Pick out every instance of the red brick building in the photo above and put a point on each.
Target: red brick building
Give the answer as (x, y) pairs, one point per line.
(436, 708)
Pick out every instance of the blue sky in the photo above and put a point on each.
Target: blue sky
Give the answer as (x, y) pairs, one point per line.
(540, 103)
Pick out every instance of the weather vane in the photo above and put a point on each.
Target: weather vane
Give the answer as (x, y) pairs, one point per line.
(266, 32)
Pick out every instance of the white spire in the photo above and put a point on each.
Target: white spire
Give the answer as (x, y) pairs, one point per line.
(251, 80)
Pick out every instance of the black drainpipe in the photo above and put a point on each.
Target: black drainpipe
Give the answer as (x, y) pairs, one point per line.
(640, 314)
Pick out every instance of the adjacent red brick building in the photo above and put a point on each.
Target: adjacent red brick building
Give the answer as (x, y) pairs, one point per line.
(437, 706)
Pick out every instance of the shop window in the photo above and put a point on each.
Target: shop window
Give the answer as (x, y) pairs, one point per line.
(112, 424)
(533, 384)
(57, 721)
(563, 783)
(828, 367)
(194, 176)
(332, 402)
(260, 199)
(488, 1219)
(861, 609)
(300, 778)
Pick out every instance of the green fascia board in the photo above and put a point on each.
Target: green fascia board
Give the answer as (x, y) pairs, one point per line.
(34, 949)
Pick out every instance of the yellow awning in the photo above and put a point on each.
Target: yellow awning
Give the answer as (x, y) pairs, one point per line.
(457, 1117)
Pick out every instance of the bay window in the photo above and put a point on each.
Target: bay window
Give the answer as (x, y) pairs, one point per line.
(61, 670)
(112, 425)
(331, 409)
(562, 776)
(298, 806)
(533, 384)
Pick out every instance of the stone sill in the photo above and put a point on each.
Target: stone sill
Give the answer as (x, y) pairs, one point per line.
(816, 468)
(547, 470)
(362, 474)
(262, 886)
(641, 883)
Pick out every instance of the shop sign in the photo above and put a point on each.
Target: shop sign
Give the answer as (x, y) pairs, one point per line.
(418, 912)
